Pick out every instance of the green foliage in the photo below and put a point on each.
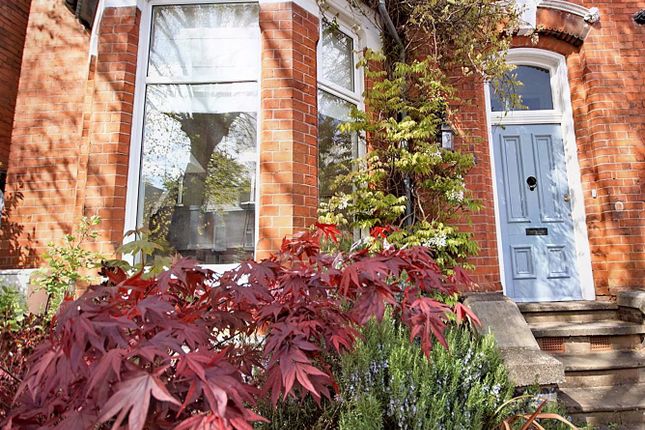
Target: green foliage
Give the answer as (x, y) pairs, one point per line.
(407, 179)
(297, 414)
(406, 152)
(12, 307)
(388, 380)
(67, 264)
(148, 254)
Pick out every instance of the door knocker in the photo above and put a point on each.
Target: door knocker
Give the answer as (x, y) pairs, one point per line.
(532, 182)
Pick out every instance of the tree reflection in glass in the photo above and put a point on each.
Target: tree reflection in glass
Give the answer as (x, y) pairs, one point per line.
(337, 57)
(336, 149)
(198, 170)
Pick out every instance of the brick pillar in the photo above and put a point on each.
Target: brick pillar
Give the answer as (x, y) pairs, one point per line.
(103, 158)
(289, 139)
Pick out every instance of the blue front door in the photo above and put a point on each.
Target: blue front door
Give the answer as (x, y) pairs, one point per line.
(538, 243)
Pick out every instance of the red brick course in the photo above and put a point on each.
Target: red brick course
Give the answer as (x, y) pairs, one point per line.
(71, 133)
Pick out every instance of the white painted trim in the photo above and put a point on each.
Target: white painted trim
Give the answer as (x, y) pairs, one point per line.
(564, 111)
(591, 15)
(136, 137)
(310, 6)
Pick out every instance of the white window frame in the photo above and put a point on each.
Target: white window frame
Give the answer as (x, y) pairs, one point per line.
(562, 114)
(138, 117)
(354, 97)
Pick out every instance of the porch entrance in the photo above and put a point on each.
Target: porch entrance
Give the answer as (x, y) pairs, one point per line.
(542, 236)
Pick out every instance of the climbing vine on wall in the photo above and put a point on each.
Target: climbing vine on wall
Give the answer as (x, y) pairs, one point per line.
(408, 190)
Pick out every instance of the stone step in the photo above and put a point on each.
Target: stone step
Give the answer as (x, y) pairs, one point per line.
(611, 327)
(573, 306)
(572, 316)
(603, 369)
(622, 405)
(586, 337)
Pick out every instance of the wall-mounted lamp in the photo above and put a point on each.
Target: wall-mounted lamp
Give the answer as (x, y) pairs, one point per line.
(639, 17)
(447, 137)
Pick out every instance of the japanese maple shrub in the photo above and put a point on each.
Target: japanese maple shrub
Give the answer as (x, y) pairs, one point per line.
(193, 349)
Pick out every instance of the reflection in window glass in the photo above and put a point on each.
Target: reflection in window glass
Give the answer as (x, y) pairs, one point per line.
(336, 149)
(337, 57)
(198, 170)
(199, 151)
(208, 42)
(535, 91)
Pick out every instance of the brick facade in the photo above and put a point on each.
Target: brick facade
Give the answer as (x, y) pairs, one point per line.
(13, 26)
(70, 139)
(73, 121)
(606, 79)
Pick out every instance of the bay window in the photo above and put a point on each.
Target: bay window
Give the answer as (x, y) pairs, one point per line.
(197, 185)
(339, 91)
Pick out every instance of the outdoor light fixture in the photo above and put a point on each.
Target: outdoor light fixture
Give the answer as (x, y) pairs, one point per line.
(447, 137)
(639, 17)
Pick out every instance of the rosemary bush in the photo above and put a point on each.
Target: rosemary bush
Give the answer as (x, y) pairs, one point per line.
(387, 382)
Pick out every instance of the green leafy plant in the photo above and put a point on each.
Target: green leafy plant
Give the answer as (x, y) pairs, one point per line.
(12, 307)
(408, 180)
(142, 253)
(69, 263)
(18, 340)
(388, 383)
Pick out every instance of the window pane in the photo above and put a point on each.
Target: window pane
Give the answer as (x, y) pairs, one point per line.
(337, 57)
(335, 148)
(198, 169)
(208, 42)
(535, 93)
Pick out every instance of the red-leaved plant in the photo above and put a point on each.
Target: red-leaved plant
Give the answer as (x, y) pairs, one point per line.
(191, 349)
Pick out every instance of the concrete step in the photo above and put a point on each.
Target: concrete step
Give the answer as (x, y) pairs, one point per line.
(621, 405)
(571, 316)
(577, 311)
(603, 369)
(585, 337)
(577, 306)
(611, 327)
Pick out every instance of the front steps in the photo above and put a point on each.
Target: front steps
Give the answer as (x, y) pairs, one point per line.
(601, 347)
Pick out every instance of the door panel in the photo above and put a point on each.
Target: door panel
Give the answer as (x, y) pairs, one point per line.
(537, 229)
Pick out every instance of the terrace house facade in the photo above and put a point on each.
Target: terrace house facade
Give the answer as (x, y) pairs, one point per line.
(213, 124)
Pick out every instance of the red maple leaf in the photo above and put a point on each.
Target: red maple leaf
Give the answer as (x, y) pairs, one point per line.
(132, 398)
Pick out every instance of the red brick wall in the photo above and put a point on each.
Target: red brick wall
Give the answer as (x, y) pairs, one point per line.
(108, 126)
(71, 131)
(289, 145)
(607, 78)
(472, 129)
(13, 25)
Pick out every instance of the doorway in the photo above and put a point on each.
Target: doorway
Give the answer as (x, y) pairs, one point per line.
(542, 236)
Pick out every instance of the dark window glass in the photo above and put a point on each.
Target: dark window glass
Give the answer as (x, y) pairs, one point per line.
(336, 149)
(198, 169)
(534, 90)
